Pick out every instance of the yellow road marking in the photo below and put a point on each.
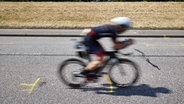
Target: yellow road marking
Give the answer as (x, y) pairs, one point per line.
(110, 82)
(165, 45)
(166, 37)
(7, 43)
(30, 85)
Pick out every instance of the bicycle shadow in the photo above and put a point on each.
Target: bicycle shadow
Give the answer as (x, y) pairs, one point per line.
(139, 90)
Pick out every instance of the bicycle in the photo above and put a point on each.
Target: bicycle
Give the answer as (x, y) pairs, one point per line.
(122, 72)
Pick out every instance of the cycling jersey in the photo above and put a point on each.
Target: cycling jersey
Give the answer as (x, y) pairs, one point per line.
(104, 31)
(96, 33)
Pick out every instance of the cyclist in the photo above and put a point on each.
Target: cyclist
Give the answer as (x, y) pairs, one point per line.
(96, 51)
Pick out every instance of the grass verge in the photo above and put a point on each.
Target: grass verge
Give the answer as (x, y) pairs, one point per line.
(86, 14)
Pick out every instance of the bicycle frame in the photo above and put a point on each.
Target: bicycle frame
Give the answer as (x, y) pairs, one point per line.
(112, 61)
(112, 57)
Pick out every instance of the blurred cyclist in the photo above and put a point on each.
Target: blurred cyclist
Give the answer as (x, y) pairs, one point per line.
(96, 51)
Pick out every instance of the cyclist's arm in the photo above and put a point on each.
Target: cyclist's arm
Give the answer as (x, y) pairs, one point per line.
(120, 44)
(123, 44)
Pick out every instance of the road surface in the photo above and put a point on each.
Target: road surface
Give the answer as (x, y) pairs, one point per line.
(28, 73)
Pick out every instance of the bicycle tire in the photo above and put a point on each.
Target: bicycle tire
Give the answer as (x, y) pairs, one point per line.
(121, 81)
(64, 67)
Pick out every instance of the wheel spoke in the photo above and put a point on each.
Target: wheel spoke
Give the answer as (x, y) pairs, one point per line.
(124, 74)
(66, 73)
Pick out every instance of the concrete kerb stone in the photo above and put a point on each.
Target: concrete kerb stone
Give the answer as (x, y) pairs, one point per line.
(77, 33)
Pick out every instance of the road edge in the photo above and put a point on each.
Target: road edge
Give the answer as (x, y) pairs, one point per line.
(77, 33)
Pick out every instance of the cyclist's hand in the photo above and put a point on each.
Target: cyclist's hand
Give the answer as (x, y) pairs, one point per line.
(129, 42)
(118, 46)
(124, 44)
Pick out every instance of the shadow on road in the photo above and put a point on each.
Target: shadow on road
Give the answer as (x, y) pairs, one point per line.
(139, 90)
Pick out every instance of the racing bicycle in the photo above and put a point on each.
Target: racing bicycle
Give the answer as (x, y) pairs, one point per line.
(122, 72)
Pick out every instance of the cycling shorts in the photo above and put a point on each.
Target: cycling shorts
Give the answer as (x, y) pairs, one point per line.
(94, 47)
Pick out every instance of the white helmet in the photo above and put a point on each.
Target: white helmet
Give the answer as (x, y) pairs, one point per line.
(124, 21)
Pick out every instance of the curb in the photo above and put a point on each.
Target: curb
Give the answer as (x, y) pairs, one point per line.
(131, 36)
(76, 33)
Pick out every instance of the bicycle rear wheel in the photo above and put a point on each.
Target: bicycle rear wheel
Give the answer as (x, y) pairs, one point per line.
(66, 73)
(124, 74)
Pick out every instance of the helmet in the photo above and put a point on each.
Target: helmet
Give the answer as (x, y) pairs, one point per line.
(123, 21)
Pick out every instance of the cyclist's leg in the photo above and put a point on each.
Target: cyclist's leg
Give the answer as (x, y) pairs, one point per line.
(96, 52)
(96, 61)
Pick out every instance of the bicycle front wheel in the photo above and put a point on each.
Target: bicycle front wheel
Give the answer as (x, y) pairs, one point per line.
(66, 73)
(125, 73)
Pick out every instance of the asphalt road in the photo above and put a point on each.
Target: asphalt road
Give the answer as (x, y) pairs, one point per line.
(28, 73)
